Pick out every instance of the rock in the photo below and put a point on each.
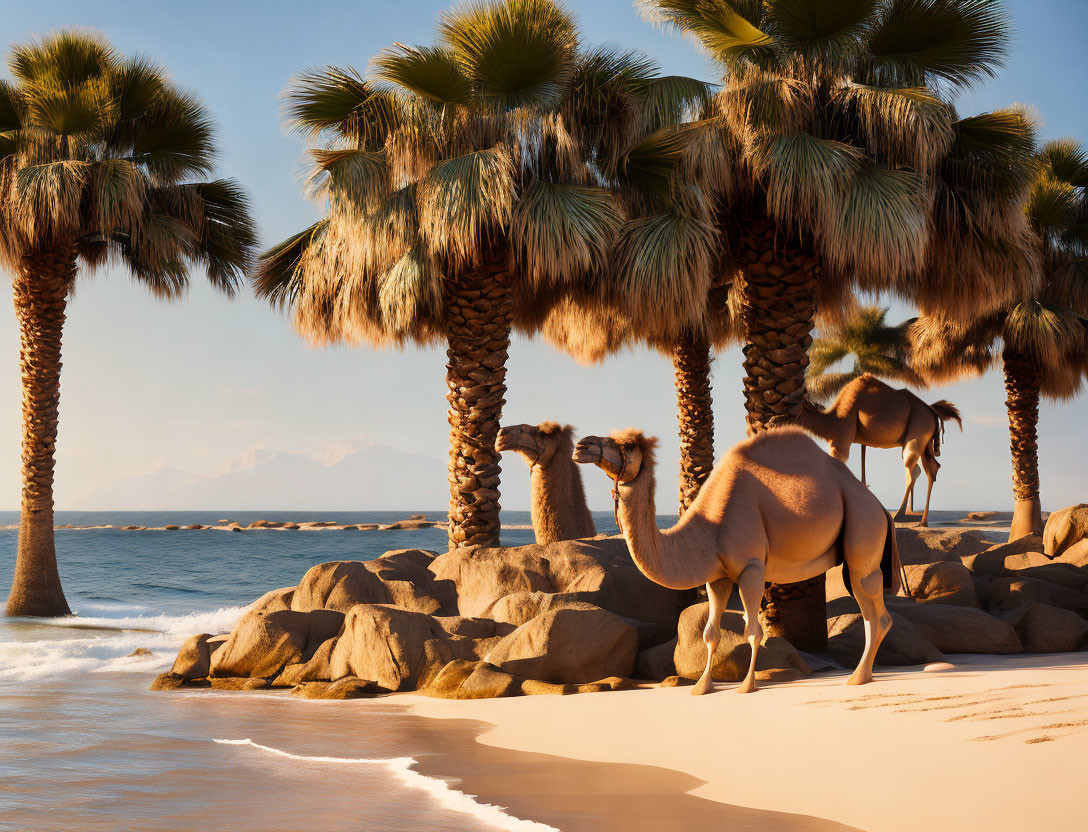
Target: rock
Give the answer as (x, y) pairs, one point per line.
(991, 561)
(266, 524)
(291, 527)
(958, 629)
(656, 662)
(338, 585)
(398, 649)
(903, 645)
(236, 529)
(461, 679)
(1064, 529)
(777, 675)
(568, 646)
(367, 527)
(676, 682)
(261, 644)
(1012, 592)
(980, 515)
(224, 520)
(598, 572)
(350, 687)
(1025, 560)
(411, 585)
(140, 653)
(618, 683)
(277, 599)
(519, 607)
(931, 545)
(1077, 554)
(316, 669)
(194, 658)
(1062, 574)
(133, 528)
(1046, 629)
(534, 687)
(417, 516)
(170, 528)
(944, 582)
(193, 527)
(349, 528)
(473, 628)
(731, 658)
(174, 681)
(984, 588)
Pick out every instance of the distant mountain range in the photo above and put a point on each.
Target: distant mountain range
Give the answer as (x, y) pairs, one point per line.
(358, 476)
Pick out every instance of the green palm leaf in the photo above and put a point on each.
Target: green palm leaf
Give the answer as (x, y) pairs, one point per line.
(431, 72)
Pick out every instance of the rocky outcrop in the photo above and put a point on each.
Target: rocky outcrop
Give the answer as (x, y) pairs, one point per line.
(929, 545)
(958, 629)
(1065, 529)
(338, 585)
(568, 646)
(943, 582)
(262, 644)
(903, 645)
(733, 654)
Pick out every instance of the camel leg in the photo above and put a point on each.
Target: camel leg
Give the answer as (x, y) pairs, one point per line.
(910, 501)
(718, 592)
(750, 583)
(931, 465)
(863, 481)
(869, 592)
(911, 454)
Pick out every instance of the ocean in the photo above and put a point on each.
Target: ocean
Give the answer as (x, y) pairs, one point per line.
(85, 746)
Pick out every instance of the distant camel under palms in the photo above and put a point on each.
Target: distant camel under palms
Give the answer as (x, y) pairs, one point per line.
(870, 413)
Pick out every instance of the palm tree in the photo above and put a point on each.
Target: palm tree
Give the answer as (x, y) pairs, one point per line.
(1042, 340)
(102, 160)
(879, 349)
(838, 114)
(460, 188)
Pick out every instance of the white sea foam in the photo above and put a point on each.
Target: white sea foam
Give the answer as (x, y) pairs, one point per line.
(77, 644)
(402, 769)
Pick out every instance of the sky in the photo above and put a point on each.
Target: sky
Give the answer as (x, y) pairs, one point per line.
(199, 385)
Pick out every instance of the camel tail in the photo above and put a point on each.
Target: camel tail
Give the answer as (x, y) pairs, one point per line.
(945, 411)
(895, 576)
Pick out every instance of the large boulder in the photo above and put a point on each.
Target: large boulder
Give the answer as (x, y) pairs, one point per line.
(733, 654)
(194, 658)
(1077, 554)
(461, 679)
(316, 669)
(568, 646)
(1012, 592)
(1062, 574)
(917, 545)
(958, 629)
(347, 688)
(903, 645)
(1046, 629)
(656, 662)
(991, 561)
(943, 582)
(398, 649)
(411, 585)
(274, 601)
(338, 585)
(261, 644)
(598, 571)
(1064, 529)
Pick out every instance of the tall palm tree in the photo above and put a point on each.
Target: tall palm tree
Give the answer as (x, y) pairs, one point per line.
(460, 187)
(838, 111)
(102, 159)
(1040, 341)
(879, 349)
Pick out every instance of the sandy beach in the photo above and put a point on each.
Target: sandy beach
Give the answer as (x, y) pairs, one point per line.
(994, 744)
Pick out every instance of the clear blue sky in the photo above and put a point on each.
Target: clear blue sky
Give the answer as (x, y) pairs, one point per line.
(194, 384)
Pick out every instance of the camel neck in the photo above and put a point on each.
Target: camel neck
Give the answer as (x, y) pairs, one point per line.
(558, 500)
(668, 558)
(819, 422)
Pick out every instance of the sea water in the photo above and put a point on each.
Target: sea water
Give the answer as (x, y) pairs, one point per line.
(85, 746)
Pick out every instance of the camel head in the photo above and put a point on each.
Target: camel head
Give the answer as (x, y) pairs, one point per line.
(537, 443)
(622, 456)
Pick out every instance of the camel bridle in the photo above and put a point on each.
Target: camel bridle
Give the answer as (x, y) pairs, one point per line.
(616, 486)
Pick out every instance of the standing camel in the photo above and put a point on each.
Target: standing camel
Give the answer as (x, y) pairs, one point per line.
(557, 498)
(870, 413)
(776, 508)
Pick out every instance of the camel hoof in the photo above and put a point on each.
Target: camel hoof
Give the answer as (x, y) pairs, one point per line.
(747, 686)
(860, 679)
(922, 525)
(703, 686)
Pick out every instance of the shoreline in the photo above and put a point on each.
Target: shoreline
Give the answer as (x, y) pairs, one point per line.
(912, 750)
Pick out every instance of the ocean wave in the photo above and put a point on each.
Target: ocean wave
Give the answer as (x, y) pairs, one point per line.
(402, 769)
(78, 644)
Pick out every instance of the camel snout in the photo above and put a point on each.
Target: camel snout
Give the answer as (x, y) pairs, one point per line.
(588, 450)
(511, 438)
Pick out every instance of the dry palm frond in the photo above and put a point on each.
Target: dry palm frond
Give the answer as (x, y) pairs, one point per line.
(909, 126)
(944, 351)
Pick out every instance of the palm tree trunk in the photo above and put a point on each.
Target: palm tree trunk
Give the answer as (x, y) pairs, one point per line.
(1022, 386)
(40, 293)
(692, 360)
(779, 307)
(479, 313)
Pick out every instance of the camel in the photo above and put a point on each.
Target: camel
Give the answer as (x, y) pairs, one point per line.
(557, 498)
(775, 508)
(869, 413)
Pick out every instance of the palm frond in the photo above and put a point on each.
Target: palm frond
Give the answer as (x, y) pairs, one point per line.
(431, 72)
(919, 42)
(359, 177)
(68, 58)
(174, 137)
(340, 102)
(821, 33)
(720, 28)
(409, 292)
(908, 126)
(276, 276)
